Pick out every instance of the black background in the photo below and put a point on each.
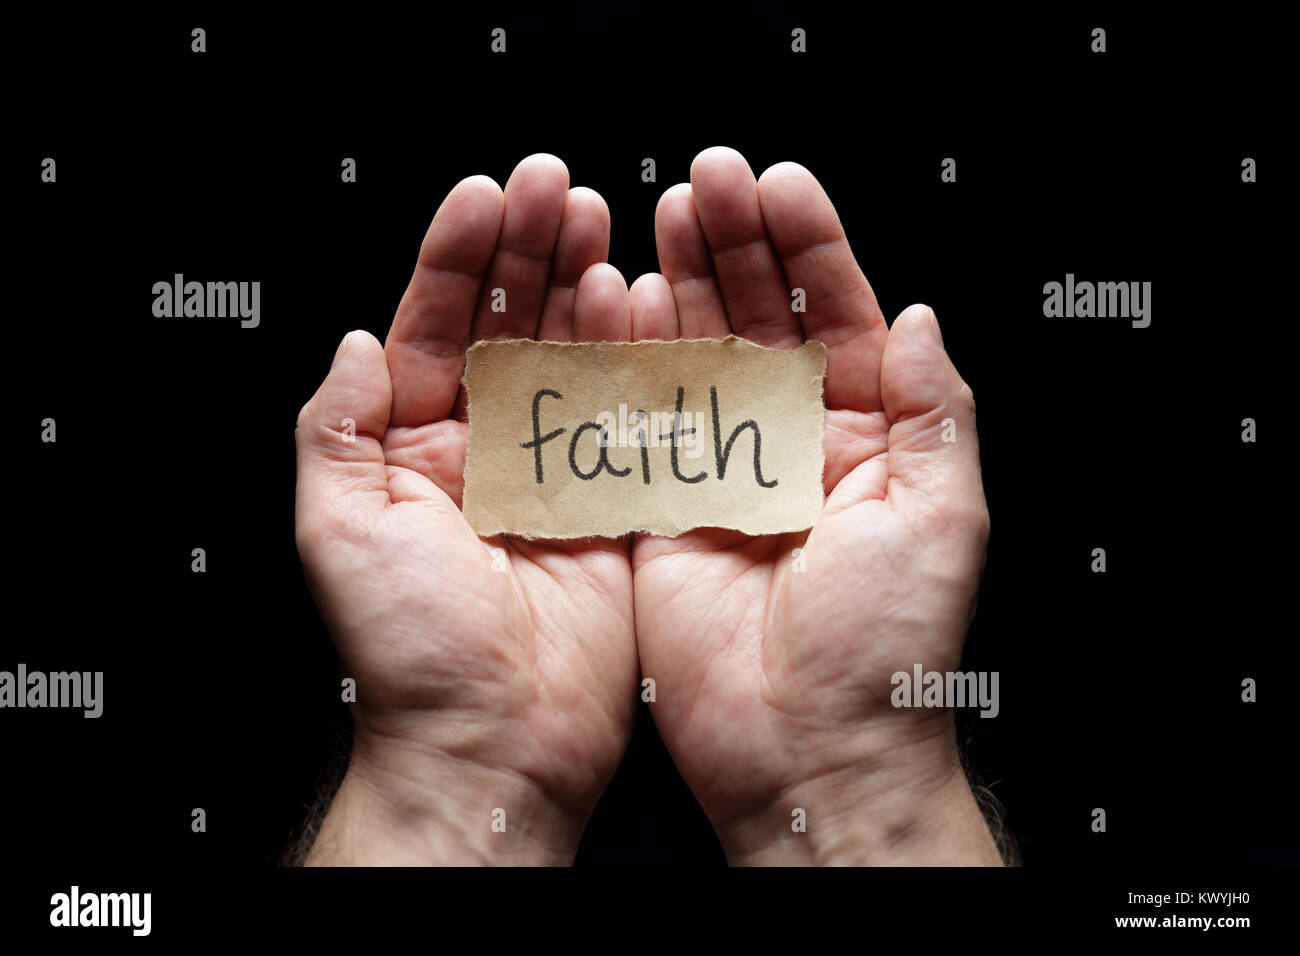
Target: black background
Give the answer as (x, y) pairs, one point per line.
(1119, 690)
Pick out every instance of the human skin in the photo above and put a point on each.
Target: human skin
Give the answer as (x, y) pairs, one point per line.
(773, 675)
(481, 690)
(477, 690)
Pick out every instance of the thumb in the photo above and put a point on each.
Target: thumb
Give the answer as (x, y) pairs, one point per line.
(933, 449)
(340, 430)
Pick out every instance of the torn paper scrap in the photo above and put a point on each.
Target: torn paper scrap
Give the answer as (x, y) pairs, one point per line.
(570, 440)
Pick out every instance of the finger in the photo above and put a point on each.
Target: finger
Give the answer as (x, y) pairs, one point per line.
(339, 434)
(583, 241)
(654, 313)
(426, 344)
(521, 267)
(754, 288)
(840, 308)
(685, 262)
(601, 312)
(933, 450)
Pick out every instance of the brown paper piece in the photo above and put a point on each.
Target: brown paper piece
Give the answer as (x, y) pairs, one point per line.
(604, 385)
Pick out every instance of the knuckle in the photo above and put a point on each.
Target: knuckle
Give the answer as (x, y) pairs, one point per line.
(304, 418)
(966, 398)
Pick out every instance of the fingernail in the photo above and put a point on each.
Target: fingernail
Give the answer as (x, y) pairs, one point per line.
(341, 351)
(934, 329)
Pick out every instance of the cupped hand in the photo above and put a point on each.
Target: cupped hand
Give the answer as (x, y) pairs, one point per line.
(495, 681)
(773, 656)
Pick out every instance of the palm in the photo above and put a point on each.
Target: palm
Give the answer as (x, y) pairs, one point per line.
(535, 635)
(720, 642)
(769, 661)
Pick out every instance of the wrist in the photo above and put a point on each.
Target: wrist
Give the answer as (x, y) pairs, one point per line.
(402, 804)
(904, 804)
